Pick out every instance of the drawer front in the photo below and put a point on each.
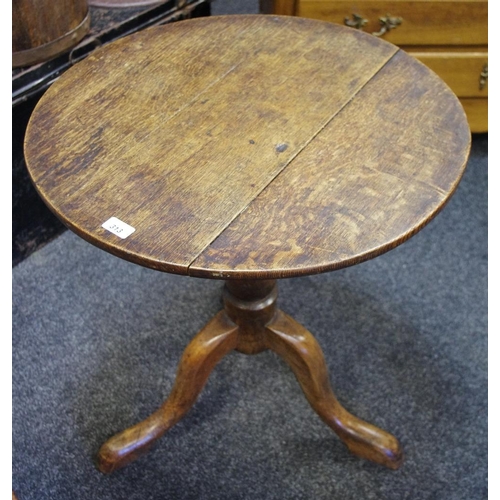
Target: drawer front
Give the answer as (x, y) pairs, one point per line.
(477, 114)
(423, 22)
(465, 73)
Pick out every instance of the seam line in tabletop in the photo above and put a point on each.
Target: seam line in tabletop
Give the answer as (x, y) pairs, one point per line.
(327, 122)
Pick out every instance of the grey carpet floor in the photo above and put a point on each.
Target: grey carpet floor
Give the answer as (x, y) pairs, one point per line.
(96, 341)
(223, 7)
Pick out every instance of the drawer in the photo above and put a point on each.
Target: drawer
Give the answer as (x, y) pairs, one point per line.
(423, 22)
(477, 114)
(464, 72)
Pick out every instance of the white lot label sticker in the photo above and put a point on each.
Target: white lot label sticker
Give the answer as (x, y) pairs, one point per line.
(116, 226)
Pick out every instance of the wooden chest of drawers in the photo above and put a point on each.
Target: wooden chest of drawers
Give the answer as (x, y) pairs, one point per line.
(449, 36)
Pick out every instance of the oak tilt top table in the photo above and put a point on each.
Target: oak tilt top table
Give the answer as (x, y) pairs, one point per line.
(248, 148)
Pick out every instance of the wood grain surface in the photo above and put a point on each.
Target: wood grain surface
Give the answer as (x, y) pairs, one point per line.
(248, 146)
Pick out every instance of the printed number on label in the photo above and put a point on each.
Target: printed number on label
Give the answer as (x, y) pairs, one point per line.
(118, 227)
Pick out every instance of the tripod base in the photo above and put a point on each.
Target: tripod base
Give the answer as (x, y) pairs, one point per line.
(251, 323)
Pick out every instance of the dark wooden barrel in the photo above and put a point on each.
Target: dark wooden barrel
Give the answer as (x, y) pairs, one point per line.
(43, 29)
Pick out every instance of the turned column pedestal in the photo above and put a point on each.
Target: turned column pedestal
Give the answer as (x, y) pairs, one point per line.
(251, 323)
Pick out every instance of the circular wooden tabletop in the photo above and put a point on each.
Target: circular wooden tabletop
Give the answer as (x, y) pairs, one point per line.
(247, 147)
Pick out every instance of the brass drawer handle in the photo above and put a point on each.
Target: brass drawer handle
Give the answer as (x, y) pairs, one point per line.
(388, 23)
(483, 77)
(357, 21)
